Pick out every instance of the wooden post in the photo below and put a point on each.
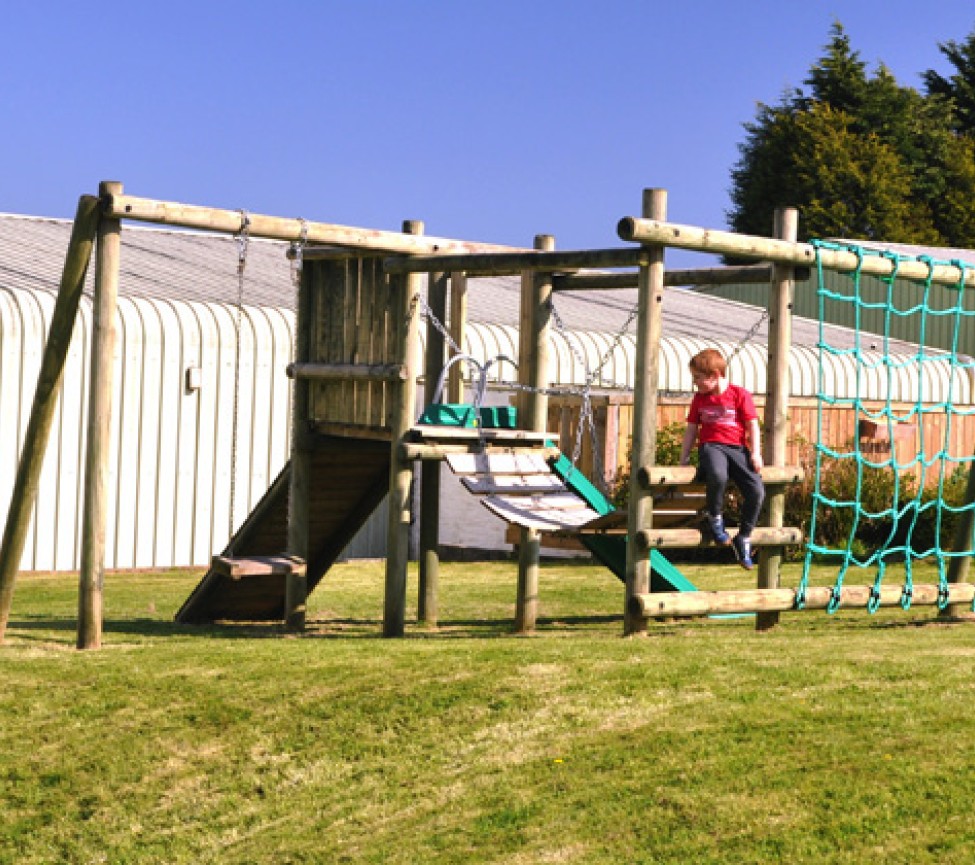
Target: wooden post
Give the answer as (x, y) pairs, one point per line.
(92, 572)
(458, 330)
(299, 489)
(430, 471)
(649, 330)
(45, 400)
(958, 566)
(404, 308)
(777, 402)
(534, 367)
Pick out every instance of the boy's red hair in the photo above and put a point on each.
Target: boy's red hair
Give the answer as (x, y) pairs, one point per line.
(708, 362)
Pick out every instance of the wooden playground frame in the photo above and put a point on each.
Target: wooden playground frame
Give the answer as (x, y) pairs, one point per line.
(373, 396)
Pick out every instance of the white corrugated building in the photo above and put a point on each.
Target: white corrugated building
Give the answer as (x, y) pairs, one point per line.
(177, 383)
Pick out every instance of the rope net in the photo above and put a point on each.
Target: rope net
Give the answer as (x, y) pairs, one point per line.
(884, 506)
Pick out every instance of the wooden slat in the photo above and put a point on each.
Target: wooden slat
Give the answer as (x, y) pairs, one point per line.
(498, 437)
(256, 566)
(490, 463)
(545, 513)
(544, 521)
(527, 484)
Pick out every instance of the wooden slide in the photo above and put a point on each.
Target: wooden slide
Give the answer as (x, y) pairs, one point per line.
(352, 479)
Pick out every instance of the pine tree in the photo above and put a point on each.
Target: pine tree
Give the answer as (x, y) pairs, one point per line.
(861, 156)
(959, 88)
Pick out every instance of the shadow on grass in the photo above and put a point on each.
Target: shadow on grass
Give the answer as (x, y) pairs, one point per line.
(40, 629)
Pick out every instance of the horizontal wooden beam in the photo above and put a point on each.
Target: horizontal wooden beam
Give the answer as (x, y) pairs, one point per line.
(507, 263)
(418, 451)
(350, 371)
(280, 228)
(762, 536)
(651, 477)
(650, 231)
(746, 274)
(658, 604)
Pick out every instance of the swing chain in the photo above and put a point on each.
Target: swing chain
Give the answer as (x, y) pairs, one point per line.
(242, 239)
(438, 325)
(747, 338)
(297, 253)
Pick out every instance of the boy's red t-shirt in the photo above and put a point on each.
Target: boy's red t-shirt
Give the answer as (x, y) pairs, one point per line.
(722, 418)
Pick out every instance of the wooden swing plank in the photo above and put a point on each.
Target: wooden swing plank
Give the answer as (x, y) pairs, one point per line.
(539, 512)
(487, 463)
(657, 604)
(527, 484)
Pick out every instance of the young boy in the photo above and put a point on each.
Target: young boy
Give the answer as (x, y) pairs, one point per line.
(723, 420)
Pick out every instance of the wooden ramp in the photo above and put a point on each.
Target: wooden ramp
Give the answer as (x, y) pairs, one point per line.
(351, 479)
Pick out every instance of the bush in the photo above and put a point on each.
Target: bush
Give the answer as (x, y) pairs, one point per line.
(894, 524)
(903, 518)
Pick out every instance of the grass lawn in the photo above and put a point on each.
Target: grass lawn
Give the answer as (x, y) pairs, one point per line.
(832, 739)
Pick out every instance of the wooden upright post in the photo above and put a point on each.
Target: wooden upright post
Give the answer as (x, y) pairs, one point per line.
(958, 566)
(535, 326)
(45, 400)
(406, 290)
(299, 524)
(92, 573)
(650, 289)
(430, 469)
(458, 330)
(777, 402)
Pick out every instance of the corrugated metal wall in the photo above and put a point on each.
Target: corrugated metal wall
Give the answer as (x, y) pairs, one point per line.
(172, 442)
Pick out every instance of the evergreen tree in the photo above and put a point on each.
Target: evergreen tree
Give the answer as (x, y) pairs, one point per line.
(959, 88)
(861, 157)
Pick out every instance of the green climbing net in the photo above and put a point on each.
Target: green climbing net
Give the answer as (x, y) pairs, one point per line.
(870, 355)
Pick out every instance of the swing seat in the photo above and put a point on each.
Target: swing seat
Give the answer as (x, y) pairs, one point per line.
(463, 415)
(448, 414)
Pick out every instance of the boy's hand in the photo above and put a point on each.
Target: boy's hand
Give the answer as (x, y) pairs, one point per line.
(757, 462)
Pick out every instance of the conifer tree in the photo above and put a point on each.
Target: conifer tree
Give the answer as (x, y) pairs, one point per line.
(861, 156)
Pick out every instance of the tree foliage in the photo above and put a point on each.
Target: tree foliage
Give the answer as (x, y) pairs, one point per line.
(861, 156)
(959, 88)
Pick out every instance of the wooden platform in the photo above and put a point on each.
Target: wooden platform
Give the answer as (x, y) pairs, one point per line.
(352, 477)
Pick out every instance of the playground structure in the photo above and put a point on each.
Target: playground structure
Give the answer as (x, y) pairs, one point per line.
(356, 439)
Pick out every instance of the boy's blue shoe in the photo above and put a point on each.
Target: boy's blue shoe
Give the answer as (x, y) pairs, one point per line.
(718, 533)
(743, 551)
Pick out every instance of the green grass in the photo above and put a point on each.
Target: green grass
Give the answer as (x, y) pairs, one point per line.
(838, 739)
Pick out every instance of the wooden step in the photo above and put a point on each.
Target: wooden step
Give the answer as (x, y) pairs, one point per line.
(236, 568)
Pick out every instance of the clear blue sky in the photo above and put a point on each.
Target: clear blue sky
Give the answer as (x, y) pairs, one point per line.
(490, 121)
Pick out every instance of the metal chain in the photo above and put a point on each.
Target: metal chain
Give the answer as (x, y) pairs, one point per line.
(439, 326)
(297, 251)
(747, 338)
(242, 239)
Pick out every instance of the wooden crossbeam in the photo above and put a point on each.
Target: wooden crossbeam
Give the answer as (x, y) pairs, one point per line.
(762, 536)
(652, 477)
(658, 604)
